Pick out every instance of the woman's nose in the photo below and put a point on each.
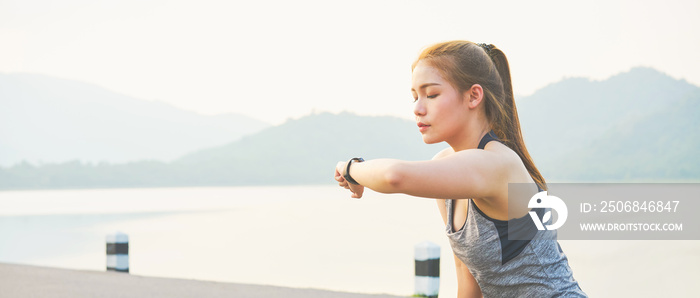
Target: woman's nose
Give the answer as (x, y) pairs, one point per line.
(419, 108)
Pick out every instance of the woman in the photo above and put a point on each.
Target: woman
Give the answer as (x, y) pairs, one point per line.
(464, 97)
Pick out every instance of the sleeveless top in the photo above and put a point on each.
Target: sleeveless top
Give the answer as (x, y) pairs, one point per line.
(510, 268)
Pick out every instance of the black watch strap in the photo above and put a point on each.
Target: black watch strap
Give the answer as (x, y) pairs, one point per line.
(346, 173)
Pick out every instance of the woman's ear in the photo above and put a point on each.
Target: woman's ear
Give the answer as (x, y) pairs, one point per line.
(474, 96)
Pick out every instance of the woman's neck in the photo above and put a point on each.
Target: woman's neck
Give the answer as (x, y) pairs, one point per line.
(471, 137)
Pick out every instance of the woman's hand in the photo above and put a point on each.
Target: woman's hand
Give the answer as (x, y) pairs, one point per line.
(356, 189)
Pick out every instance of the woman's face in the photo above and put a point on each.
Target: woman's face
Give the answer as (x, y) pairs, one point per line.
(441, 111)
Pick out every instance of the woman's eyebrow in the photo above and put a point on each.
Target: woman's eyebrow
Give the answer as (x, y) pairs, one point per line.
(425, 86)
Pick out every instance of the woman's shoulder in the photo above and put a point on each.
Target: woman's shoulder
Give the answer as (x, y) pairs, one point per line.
(517, 172)
(496, 154)
(444, 152)
(504, 153)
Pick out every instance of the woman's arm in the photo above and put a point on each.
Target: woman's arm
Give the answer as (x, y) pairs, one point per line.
(465, 174)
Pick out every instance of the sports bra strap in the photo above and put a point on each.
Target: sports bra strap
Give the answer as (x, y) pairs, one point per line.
(491, 136)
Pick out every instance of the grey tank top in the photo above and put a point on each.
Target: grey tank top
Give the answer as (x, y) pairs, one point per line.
(510, 268)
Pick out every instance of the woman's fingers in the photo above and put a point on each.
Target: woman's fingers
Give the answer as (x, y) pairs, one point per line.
(338, 177)
(356, 190)
(356, 195)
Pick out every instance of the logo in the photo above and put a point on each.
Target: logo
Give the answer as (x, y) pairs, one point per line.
(542, 200)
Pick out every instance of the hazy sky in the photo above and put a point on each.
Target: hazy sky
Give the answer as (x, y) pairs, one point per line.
(273, 60)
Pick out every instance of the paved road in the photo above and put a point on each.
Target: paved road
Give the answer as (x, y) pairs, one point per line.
(31, 281)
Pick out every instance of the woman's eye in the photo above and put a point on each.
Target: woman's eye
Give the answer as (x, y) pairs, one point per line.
(415, 99)
(433, 96)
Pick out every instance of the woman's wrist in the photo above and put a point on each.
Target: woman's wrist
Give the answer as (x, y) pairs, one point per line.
(346, 172)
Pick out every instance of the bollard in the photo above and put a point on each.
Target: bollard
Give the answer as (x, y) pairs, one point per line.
(427, 255)
(118, 252)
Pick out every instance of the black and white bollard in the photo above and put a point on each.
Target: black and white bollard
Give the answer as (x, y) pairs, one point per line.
(427, 256)
(118, 252)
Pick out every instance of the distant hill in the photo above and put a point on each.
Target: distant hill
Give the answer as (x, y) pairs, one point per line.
(659, 145)
(300, 151)
(46, 119)
(640, 125)
(306, 150)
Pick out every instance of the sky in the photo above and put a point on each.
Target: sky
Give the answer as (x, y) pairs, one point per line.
(275, 60)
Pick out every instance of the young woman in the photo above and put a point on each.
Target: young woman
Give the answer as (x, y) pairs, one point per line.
(464, 97)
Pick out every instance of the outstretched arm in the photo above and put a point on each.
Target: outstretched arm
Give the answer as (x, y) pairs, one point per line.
(465, 174)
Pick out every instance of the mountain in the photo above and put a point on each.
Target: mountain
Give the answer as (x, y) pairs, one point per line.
(48, 120)
(305, 150)
(659, 145)
(300, 151)
(638, 125)
(641, 125)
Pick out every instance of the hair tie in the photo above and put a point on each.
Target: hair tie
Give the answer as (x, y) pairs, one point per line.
(487, 47)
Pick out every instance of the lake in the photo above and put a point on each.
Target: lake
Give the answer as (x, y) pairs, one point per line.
(296, 236)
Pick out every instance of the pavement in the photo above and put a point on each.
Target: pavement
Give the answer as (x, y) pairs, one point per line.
(31, 281)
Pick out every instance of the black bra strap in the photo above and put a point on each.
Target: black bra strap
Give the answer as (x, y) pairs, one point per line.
(491, 136)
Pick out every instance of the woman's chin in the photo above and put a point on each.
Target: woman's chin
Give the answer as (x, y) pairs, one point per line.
(428, 140)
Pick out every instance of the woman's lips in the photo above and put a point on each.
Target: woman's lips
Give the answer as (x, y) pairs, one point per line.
(422, 126)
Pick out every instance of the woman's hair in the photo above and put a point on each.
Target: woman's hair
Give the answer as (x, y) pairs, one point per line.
(463, 64)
